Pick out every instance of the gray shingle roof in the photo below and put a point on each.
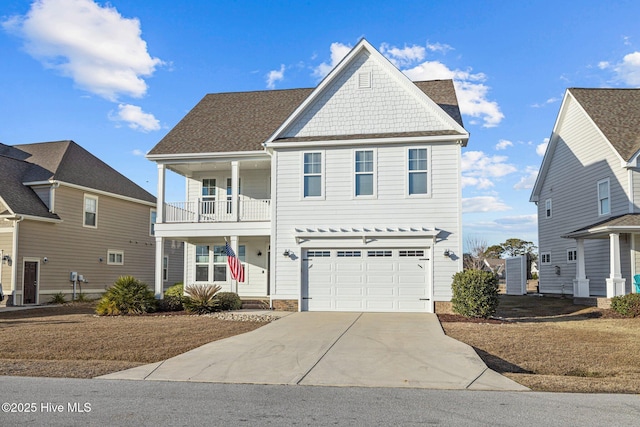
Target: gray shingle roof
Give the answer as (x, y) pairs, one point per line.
(242, 121)
(62, 161)
(617, 113)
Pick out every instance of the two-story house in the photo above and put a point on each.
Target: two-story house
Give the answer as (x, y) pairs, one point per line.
(64, 211)
(342, 197)
(588, 195)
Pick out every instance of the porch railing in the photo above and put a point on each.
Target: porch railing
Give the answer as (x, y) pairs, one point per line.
(218, 211)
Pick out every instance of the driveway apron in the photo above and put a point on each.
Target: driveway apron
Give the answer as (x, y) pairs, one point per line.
(335, 349)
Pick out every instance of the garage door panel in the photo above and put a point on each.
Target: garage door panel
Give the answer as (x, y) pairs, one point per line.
(380, 292)
(349, 292)
(378, 265)
(412, 305)
(349, 305)
(377, 305)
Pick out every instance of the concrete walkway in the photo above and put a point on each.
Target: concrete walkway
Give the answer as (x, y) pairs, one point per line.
(334, 349)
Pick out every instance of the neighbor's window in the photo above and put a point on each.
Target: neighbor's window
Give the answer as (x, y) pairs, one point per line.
(90, 211)
(417, 169)
(604, 204)
(547, 208)
(364, 178)
(115, 257)
(165, 269)
(545, 258)
(153, 215)
(202, 263)
(312, 175)
(572, 255)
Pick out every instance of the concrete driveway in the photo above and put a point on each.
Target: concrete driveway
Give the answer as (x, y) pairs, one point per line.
(334, 349)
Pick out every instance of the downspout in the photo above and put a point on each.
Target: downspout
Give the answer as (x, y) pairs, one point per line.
(14, 256)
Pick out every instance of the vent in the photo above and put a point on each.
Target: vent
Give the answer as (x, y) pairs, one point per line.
(364, 80)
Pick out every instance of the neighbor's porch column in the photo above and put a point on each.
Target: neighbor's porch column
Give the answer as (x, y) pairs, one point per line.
(160, 198)
(580, 283)
(615, 282)
(159, 291)
(234, 191)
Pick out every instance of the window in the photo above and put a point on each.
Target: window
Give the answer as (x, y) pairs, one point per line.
(572, 255)
(547, 208)
(115, 257)
(604, 205)
(153, 215)
(219, 263)
(318, 254)
(349, 254)
(202, 263)
(230, 195)
(208, 196)
(312, 175)
(165, 269)
(378, 253)
(545, 258)
(417, 167)
(90, 211)
(364, 179)
(411, 253)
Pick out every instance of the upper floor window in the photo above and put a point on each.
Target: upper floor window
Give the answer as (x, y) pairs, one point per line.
(153, 215)
(604, 202)
(364, 175)
(547, 208)
(312, 175)
(417, 171)
(90, 211)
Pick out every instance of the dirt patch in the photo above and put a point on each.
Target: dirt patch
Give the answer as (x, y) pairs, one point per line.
(549, 344)
(70, 341)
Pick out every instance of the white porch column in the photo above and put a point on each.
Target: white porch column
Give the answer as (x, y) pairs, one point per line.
(615, 282)
(580, 283)
(159, 291)
(160, 197)
(234, 246)
(234, 191)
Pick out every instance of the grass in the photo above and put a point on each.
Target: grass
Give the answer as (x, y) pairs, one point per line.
(549, 344)
(70, 341)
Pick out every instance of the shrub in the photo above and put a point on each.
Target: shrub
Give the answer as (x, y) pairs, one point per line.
(626, 305)
(173, 299)
(81, 297)
(127, 296)
(229, 301)
(201, 299)
(475, 293)
(58, 298)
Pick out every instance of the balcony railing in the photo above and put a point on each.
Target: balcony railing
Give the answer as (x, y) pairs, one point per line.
(218, 211)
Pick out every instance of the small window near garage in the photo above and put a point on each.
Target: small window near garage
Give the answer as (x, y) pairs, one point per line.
(364, 173)
(115, 257)
(545, 258)
(572, 255)
(318, 254)
(373, 254)
(547, 208)
(417, 171)
(347, 254)
(411, 253)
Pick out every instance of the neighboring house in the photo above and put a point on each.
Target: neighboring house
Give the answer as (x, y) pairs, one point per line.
(62, 210)
(496, 266)
(343, 197)
(588, 195)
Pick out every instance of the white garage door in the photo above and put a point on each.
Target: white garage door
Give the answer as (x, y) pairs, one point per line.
(366, 280)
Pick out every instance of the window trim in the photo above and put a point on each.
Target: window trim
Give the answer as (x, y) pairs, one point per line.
(115, 253)
(572, 255)
(84, 211)
(548, 210)
(321, 174)
(608, 198)
(544, 255)
(373, 173)
(408, 172)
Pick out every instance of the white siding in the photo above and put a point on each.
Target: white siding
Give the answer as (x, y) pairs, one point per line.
(581, 158)
(391, 207)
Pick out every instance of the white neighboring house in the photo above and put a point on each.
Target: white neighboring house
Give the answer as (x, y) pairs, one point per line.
(343, 197)
(588, 195)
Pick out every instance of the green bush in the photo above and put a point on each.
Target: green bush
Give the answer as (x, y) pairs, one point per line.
(201, 299)
(229, 301)
(475, 293)
(173, 299)
(58, 298)
(627, 305)
(126, 296)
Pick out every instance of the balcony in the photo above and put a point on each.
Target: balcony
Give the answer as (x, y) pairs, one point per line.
(206, 211)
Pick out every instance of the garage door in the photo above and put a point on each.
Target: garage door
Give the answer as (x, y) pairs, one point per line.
(366, 280)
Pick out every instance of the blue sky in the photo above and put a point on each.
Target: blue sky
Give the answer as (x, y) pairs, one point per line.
(116, 77)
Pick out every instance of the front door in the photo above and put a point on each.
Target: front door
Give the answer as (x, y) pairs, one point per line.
(30, 283)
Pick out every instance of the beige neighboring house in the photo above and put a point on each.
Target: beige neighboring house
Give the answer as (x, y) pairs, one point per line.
(64, 211)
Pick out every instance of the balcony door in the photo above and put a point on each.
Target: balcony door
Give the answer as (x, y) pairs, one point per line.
(208, 196)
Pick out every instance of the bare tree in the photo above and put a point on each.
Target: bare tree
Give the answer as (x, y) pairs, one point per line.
(474, 257)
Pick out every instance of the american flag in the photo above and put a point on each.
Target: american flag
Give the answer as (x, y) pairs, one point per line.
(235, 266)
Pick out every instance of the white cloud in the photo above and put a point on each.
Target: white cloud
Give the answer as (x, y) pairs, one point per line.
(338, 51)
(503, 144)
(405, 56)
(528, 180)
(138, 152)
(99, 49)
(478, 168)
(135, 117)
(439, 47)
(542, 148)
(275, 76)
(603, 65)
(629, 69)
(483, 204)
(547, 102)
